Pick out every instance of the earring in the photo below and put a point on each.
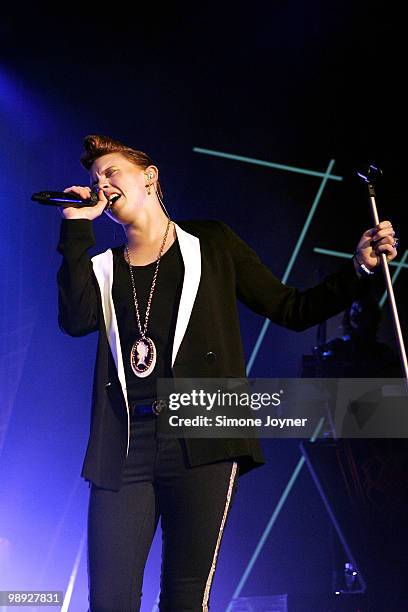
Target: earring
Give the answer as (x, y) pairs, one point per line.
(148, 176)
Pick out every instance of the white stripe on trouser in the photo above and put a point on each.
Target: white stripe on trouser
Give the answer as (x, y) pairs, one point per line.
(217, 546)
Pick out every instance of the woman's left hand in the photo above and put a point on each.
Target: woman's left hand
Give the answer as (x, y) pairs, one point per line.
(380, 239)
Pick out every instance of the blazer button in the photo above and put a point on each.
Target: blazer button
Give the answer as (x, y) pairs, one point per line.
(210, 357)
(107, 385)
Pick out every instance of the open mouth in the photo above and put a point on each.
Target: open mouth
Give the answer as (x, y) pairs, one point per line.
(113, 198)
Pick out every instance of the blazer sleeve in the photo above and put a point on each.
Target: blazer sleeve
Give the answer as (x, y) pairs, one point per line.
(259, 289)
(78, 291)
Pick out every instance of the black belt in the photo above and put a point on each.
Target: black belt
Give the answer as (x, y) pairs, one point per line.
(155, 407)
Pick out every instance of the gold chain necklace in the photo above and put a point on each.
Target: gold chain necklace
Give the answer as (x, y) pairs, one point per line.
(143, 353)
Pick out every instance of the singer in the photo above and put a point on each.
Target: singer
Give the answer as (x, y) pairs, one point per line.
(164, 305)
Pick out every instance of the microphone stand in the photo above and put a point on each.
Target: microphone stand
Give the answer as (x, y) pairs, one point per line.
(369, 177)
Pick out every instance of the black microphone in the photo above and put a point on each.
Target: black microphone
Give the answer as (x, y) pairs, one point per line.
(59, 198)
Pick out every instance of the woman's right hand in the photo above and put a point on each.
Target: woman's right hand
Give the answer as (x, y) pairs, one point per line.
(86, 212)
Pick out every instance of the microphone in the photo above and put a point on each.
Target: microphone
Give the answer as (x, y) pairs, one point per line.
(58, 198)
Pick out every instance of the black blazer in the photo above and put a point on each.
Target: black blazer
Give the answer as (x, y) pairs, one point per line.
(219, 267)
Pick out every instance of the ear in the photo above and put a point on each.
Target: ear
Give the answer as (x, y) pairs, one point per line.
(151, 174)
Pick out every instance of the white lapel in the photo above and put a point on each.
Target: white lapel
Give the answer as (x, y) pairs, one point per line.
(191, 253)
(103, 268)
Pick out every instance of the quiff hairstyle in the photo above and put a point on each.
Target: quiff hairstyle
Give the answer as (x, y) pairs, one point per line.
(97, 145)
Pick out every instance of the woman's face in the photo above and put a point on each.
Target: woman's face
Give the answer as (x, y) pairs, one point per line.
(114, 173)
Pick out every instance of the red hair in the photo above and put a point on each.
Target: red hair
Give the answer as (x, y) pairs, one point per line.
(97, 145)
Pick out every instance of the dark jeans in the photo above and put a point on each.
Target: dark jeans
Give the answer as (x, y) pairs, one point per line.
(193, 504)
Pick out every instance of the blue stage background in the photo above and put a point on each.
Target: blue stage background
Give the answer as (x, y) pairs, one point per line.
(286, 83)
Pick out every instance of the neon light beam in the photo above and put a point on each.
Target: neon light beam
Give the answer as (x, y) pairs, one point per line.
(292, 261)
(267, 164)
(273, 518)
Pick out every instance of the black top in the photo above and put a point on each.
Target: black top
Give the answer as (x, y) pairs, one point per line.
(162, 318)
